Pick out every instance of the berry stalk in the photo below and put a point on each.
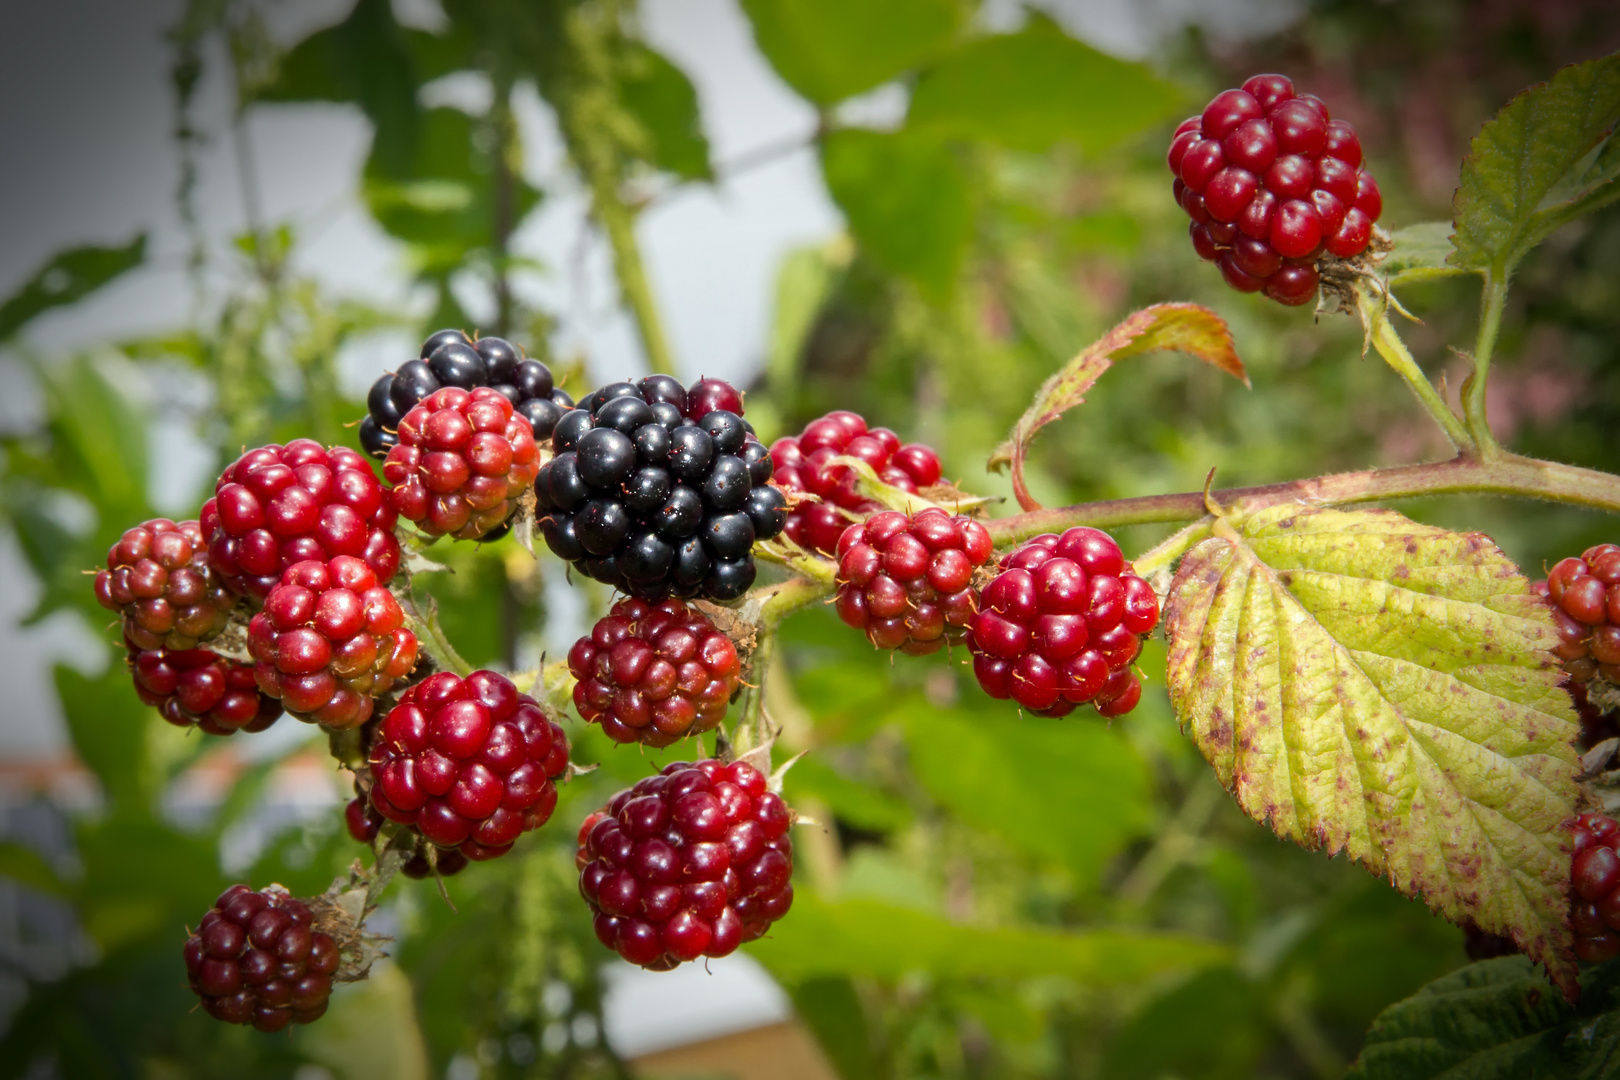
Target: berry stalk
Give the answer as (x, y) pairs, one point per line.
(1375, 316)
(1491, 300)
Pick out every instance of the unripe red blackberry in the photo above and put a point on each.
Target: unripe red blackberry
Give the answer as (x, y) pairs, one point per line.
(907, 582)
(329, 640)
(1585, 597)
(1595, 888)
(1060, 625)
(463, 461)
(1272, 183)
(451, 358)
(280, 505)
(469, 764)
(157, 578)
(654, 673)
(802, 465)
(364, 822)
(256, 958)
(197, 687)
(691, 862)
(659, 492)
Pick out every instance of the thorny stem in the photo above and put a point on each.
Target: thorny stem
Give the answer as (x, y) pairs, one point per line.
(1507, 474)
(1375, 315)
(753, 730)
(1491, 301)
(431, 635)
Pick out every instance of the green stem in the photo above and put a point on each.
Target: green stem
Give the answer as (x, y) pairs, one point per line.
(1172, 548)
(1491, 300)
(1375, 315)
(618, 220)
(1506, 474)
(431, 636)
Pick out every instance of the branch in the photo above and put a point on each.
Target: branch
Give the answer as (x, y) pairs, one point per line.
(1507, 474)
(1491, 301)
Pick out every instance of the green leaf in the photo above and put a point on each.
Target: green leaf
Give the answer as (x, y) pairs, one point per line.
(1368, 684)
(68, 277)
(1422, 253)
(906, 198)
(660, 96)
(442, 201)
(885, 941)
(1072, 793)
(859, 804)
(828, 50)
(1523, 153)
(108, 725)
(1496, 1019)
(1188, 328)
(366, 59)
(27, 867)
(829, 1007)
(1038, 87)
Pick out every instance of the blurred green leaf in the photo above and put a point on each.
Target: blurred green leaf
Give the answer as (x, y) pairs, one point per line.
(661, 97)
(442, 202)
(108, 725)
(865, 937)
(27, 867)
(370, 1031)
(367, 59)
(829, 1007)
(1521, 156)
(69, 276)
(1498, 1018)
(1211, 1026)
(828, 50)
(850, 800)
(907, 201)
(1039, 87)
(1061, 790)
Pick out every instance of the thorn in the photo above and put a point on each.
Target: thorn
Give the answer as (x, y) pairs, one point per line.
(1209, 500)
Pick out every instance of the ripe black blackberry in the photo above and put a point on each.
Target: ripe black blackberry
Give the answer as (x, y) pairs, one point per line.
(659, 490)
(451, 358)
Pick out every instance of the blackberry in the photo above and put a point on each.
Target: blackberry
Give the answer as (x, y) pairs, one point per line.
(1060, 625)
(691, 862)
(157, 577)
(329, 641)
(468, 764)
(280, 505)
(200, 688)
(451, 358)
(1595, 887)
(463, 460)
(257, 958)
(1272, 183)
(907, 581)
(656, 498)
(653, 673)
(802, 466)
(1585, 595)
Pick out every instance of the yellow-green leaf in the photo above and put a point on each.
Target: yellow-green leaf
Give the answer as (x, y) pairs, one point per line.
(1368, 684)
(1187, 328)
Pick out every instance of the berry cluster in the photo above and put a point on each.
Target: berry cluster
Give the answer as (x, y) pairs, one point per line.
(1060, 625)
(469, 764)
(691, 862)
(330, 640)
(1595, 881)
(463, 460)
(157, 579)
(197, 687)
(280, 505)
(1271, 182)
(803, 464)
(660, 490)
(450, 358)
(1585, 594)
(256, 958)
(652, 673)
(907, 582)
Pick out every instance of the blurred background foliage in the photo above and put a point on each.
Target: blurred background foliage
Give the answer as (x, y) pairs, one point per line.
(991, 895)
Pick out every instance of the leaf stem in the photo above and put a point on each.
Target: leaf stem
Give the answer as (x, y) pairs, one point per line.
(1375, 315)
(1506, 474)
(431, 635)
(1491, 300)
